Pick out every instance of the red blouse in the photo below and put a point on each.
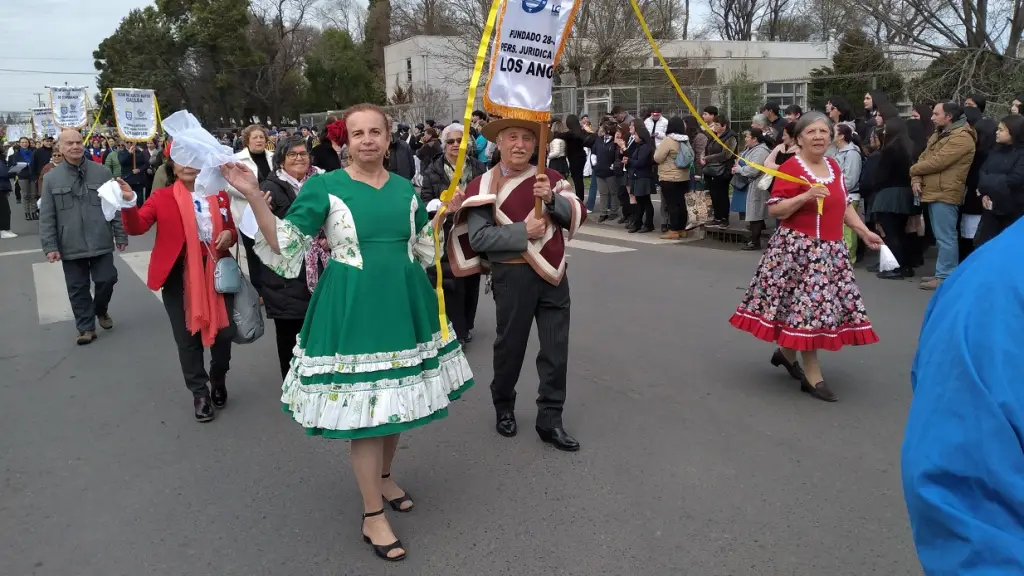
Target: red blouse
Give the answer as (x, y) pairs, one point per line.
(827, 226)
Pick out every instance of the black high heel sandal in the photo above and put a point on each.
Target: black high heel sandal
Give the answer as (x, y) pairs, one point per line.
(382, 551)
(794, 369)
(396, 504)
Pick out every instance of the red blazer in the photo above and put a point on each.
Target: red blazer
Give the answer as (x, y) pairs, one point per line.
(162, 210)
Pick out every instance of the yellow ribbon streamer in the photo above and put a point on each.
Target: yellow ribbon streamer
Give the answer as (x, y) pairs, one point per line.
(99, 112)
(693, 110)
(446, 196)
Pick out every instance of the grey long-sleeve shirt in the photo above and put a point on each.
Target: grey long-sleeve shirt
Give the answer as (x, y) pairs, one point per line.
(499, 243)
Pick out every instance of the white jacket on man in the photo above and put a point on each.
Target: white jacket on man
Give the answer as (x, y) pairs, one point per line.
(657, 129)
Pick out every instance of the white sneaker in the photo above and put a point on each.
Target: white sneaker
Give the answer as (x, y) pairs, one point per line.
(5, 234)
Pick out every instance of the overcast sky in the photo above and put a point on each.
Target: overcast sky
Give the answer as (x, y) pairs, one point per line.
(47, 36)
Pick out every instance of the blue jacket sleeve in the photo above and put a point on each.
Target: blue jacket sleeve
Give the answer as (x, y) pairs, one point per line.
(962, 458)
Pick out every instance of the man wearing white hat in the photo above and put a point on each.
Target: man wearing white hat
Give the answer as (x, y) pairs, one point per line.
(497, 228)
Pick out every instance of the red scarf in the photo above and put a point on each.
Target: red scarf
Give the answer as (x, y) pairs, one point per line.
(205, 311)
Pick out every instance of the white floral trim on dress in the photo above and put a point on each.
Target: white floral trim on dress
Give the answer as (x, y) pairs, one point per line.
(371, 362)
(340, 229)
(421, 243)
(371, 404)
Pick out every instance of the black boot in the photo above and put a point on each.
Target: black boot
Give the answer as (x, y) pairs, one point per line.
(204, 408)
(218, 392)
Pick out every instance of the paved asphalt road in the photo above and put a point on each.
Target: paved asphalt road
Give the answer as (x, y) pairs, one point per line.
(698, 457)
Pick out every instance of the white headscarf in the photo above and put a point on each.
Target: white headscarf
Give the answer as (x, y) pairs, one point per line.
(196, 148)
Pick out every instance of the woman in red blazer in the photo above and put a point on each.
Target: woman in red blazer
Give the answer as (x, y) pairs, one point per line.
(192, 233)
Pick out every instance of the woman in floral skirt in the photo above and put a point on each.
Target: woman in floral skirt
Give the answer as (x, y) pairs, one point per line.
(370, 361)
(804, 296)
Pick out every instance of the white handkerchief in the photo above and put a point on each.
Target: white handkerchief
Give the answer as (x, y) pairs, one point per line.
(111, 200)
(434, 205)
(196, 148)
(248, 226)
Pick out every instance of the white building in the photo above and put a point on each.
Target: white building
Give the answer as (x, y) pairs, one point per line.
(443, 64)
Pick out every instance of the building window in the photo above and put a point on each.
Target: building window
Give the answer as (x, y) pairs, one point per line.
(408, 70)
(786, 93)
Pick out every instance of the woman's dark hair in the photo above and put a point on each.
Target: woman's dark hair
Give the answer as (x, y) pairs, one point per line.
(641, 131)
(623, 131)
(572, 124)
(924, 110)
(790, 128)
(676, 126)
(168, 166)
(1015, 125)
(757, 134)
(692, 126)
(880, 103)
(283, 148)
(840, 103)
(896, 135)
(431, 131)
(722, 120)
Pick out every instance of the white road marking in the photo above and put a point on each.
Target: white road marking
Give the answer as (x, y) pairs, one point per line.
(595, 247)
(139, 264)
(51, 293)
(17, 252)
(603, 232)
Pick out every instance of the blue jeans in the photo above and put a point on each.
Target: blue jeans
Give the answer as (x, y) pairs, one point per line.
(944, 218)
(592, 194)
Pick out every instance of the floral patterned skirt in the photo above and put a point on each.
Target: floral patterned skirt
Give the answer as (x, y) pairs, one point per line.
(804, 296)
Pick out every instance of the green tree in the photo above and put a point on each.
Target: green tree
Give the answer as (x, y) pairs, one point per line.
(745, 98)
(858, 66)
(337, 73)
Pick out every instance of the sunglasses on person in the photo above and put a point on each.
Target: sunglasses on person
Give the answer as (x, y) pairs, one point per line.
(451, 141)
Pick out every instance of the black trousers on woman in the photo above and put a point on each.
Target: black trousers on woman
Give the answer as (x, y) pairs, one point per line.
(190, 346)
(286, 329)
(718, 188)
(673, 197)
(249, 245)
(5, 211)
(643, 218)
(577, 183)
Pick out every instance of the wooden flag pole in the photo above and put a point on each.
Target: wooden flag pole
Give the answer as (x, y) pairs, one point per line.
(542, 162)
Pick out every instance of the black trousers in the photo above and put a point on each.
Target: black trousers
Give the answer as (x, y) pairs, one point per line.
(141, 193)
(520, 297)
(577, 183)
(252, 260)
(471, 290)
(895, 228)
(5, 210)
(718, 188)
(673, 198)
(190, 346)
(286, 329)
(77, 275)
(643, 217)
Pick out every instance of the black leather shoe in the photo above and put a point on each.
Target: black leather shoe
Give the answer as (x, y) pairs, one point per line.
(218, 393)
(821, 391)
(794, 369)
(204, 409)
(558, 438)
(506, 425)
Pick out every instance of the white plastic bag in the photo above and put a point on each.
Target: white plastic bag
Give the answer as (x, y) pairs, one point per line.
(886, 261)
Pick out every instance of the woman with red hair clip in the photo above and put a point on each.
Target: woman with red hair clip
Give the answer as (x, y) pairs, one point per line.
(329, 154)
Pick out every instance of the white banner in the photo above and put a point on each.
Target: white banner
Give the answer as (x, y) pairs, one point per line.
(42, 121)
(527, 47)
(16, 131)
(69, 106)
(135, 114)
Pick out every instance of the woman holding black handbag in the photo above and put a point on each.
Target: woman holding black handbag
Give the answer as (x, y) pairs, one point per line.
(717, 171)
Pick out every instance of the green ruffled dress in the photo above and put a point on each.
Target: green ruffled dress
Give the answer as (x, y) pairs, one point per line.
(370, 359)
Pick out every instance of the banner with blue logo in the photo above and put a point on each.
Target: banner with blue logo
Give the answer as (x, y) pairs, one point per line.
(527, 47)
(135, 114)
(42, 122)
(68, 104)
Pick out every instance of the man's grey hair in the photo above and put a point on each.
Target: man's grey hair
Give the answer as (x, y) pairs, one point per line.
(760, 119)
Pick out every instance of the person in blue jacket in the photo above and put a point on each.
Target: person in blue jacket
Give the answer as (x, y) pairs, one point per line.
(963, 450)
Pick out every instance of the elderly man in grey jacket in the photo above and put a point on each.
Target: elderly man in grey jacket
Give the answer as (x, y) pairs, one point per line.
(73, 231)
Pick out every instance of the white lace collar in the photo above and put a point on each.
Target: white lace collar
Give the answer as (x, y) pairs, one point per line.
(831, 173)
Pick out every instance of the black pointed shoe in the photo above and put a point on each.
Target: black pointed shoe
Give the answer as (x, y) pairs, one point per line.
(794, 369)
(558, 438)
(821, 391)
(506, 425)
(204, 408)
(218, 393)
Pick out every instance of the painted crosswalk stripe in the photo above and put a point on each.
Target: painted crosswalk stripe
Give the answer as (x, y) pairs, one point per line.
(51, 293)
(138, 262)
(610, 234)
(595, 247)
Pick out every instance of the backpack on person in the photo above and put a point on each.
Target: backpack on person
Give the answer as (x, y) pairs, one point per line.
(685, 157)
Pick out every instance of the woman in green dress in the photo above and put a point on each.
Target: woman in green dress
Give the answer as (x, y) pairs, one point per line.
(371, 360)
